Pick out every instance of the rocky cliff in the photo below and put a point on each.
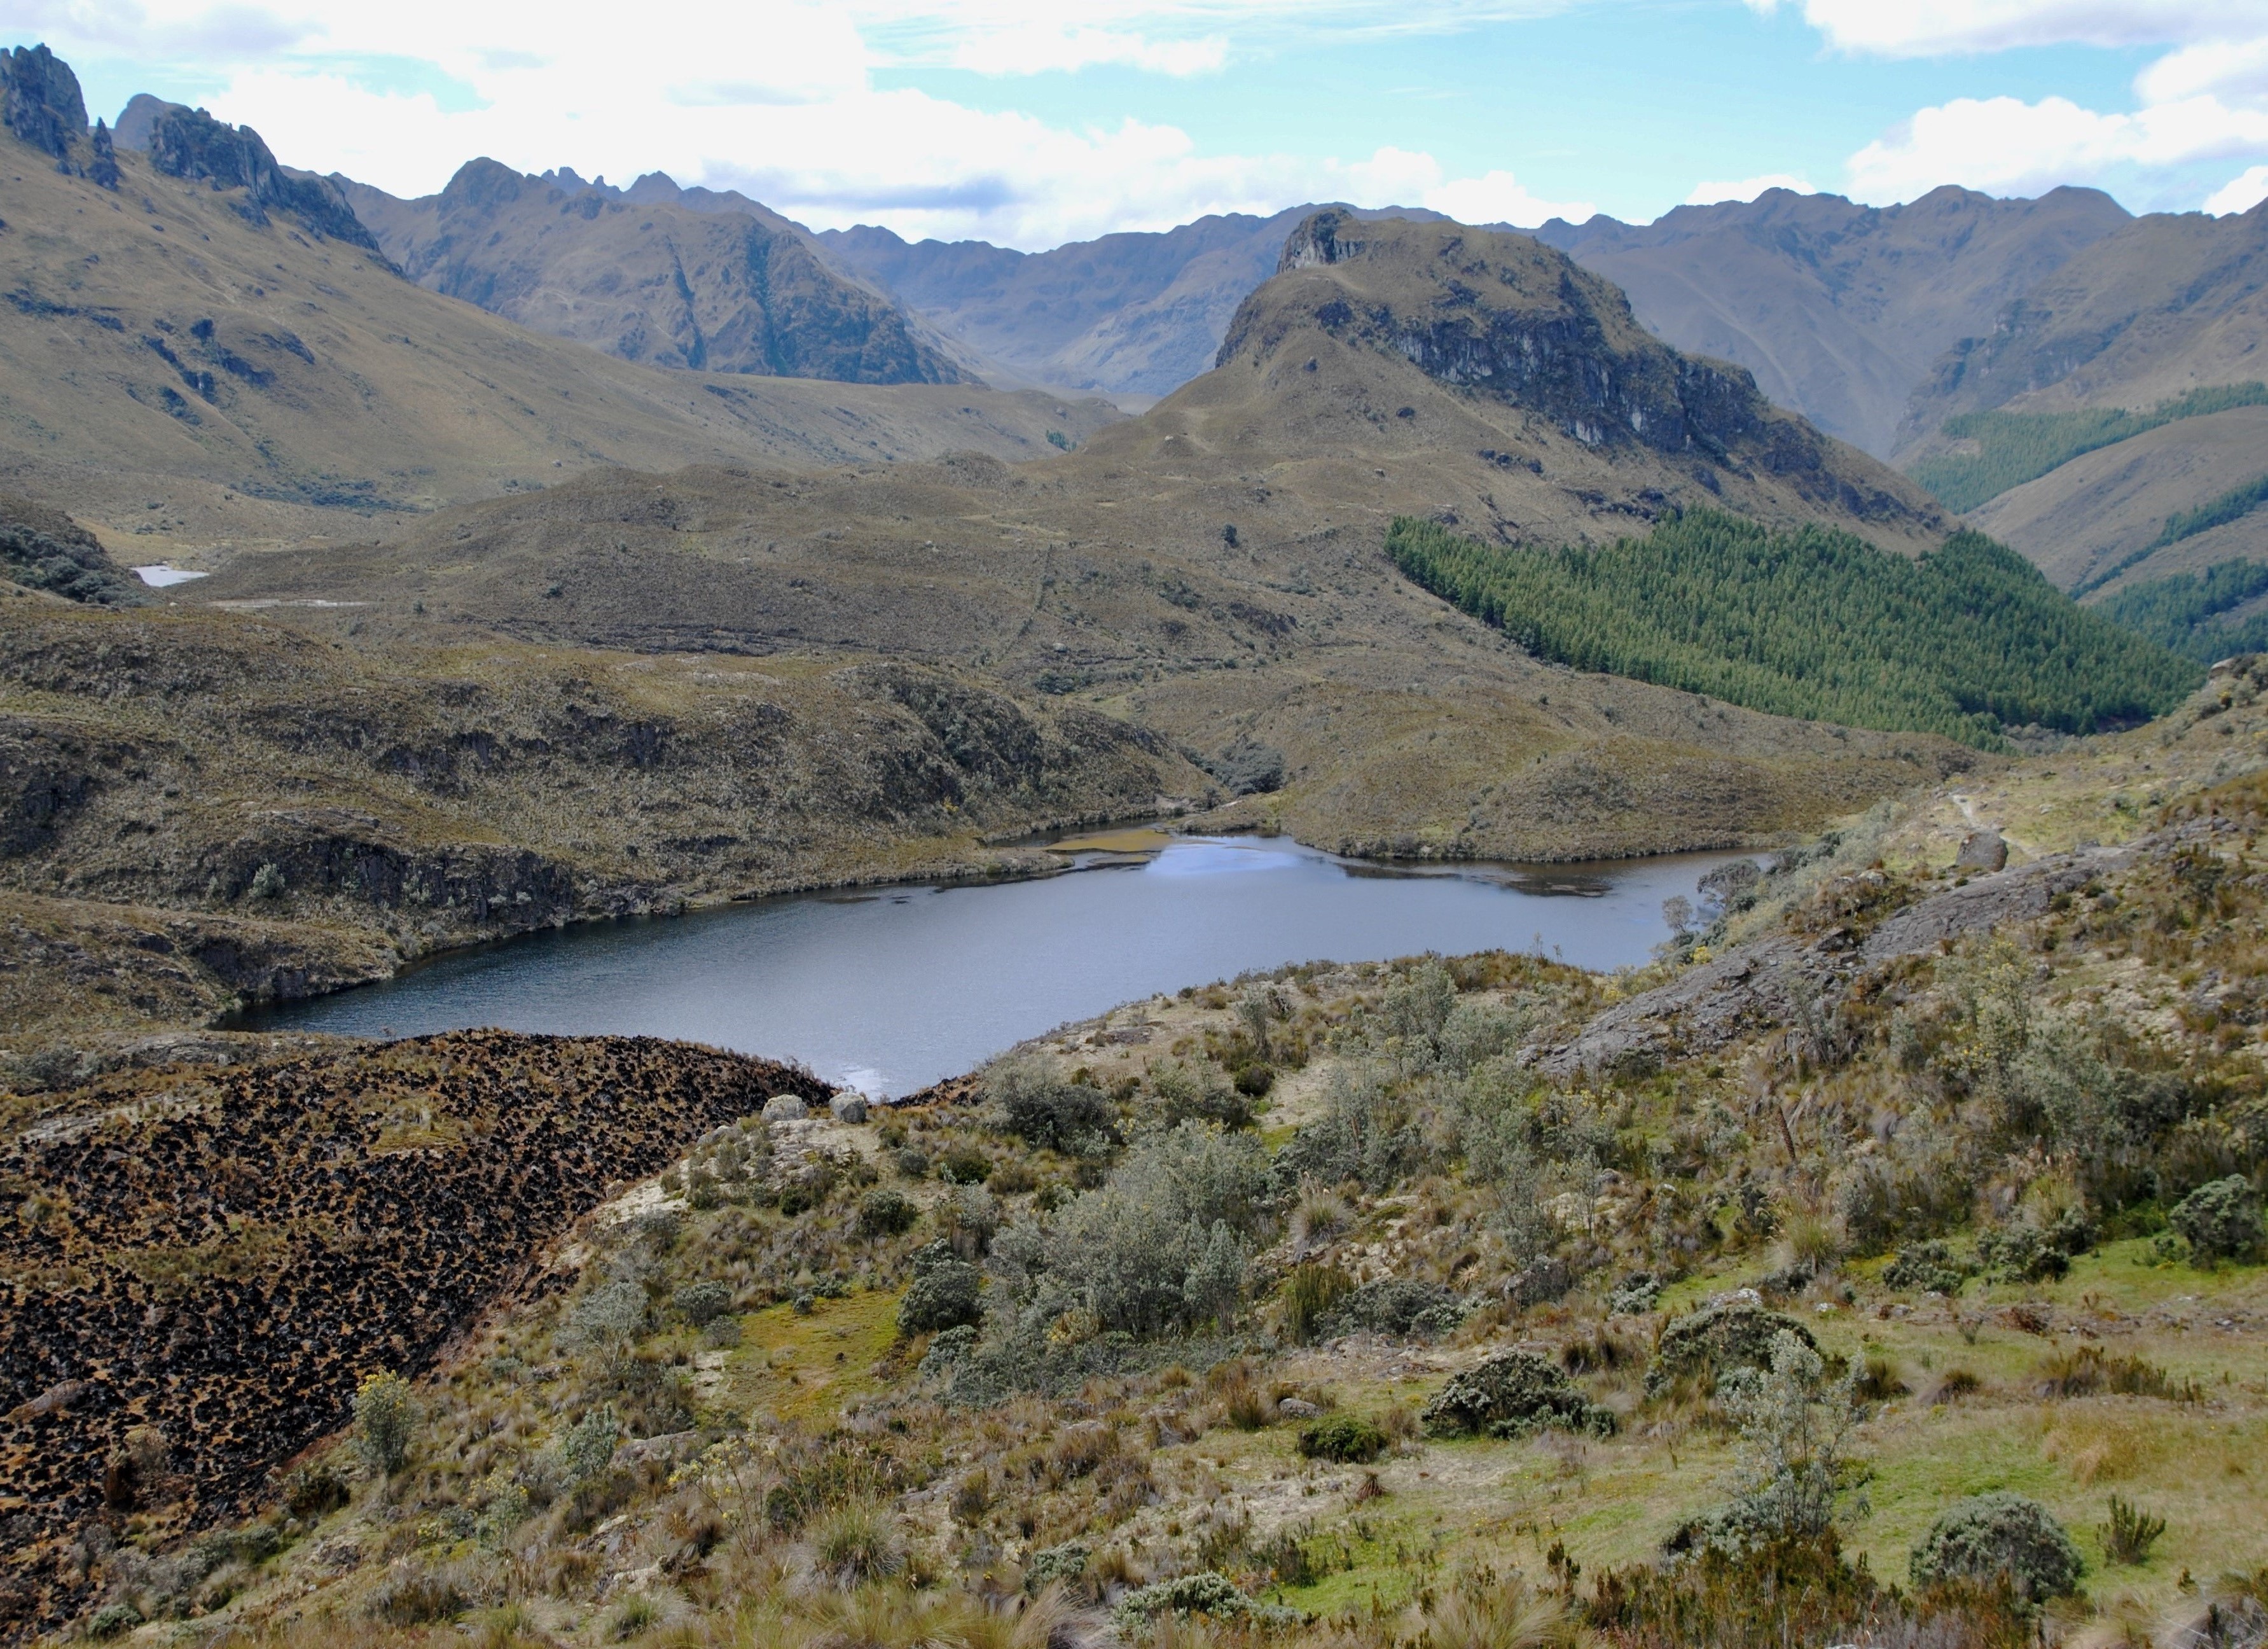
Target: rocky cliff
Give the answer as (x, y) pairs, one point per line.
(648, 280)
(185, 142)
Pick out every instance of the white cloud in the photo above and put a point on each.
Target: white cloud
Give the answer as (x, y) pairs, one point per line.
(1925, 28)
(2008, 145)
(1747, 188)
(1500, 197)
(2242, 193)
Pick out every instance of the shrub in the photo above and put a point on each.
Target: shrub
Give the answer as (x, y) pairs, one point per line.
(112, 1620)
(1930, 1268)
(2222, 1220)
(1713, 1342)
(911, 1161)
(1999, 1534)
(2130, 1533)
(267, 883)
(1346, 1439)
(964, 1165)
(1511, 1394)
(2087, 1370)
(1399, 1306)
(386, 1416)
(1031, 1101)
(588, 1446)
(1186, 1094)
(313, 1491)
(1066, 1563)
(883, 1212)
(944, 1294)
(1793, 1469)
(1636, 1294)
(700, 1303)
(1208, 1592)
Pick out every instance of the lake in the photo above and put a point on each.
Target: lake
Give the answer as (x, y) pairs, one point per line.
(890, 989)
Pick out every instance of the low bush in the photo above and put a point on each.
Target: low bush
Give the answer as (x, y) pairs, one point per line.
(1399, 1306)
(1998, 1535)
(944, 1294)
(416, 1597)
(856, 1542)
(1311, 1294)
(1029, 1099)
(883, 1212)
(1928, 1267)
(1347, 1438)
(701, 1303)
(385, 1417)
(1710, 1343)
(2083, 1372)
(1209, 1593)
(2221, 1220)
(1514, 1394)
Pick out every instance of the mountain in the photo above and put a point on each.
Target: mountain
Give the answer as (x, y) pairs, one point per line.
(207, 353)
(1213, 572)
(1839, 309)
(1138, 312)
(737, 290)
(2165, 320)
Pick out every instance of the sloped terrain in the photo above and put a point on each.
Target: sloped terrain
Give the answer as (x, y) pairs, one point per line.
(1530, 1297)
(648, 280)
(1840, 310)
(1213, 570)
(176, 371)
(2096, 522)
(215, 1260)
(2166, 303)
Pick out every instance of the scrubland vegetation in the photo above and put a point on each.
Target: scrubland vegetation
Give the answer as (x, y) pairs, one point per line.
(2010, 448)
(1885, 1294)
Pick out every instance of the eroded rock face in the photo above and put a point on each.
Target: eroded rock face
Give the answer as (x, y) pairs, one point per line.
(239, 1246)
(44, 107)
(1503, 315)
(190, 143)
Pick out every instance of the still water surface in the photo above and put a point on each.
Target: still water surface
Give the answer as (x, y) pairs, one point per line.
(890, 989)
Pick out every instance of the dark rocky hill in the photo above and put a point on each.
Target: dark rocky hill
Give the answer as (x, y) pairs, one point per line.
(648, 280)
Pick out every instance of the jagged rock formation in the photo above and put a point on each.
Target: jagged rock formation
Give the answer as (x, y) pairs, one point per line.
(219, 1258)
(190, 143)
(650, 281)
(44, 107)
(1504, 317)
(44, 548)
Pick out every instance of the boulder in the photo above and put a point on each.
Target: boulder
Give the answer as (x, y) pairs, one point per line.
(785, 1108)
(1982, 851)
(850, 1105)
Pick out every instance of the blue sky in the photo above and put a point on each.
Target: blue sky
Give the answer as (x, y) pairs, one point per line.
(1029, 124)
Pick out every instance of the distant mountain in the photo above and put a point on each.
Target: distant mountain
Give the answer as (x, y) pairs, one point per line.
(2166, 318)
(1839, 309)
(736, 289)
(205, 350)
(1128, 312)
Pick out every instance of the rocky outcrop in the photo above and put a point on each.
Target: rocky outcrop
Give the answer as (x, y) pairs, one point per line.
(185, 142)
(43, 105)
(1791, 978)
(649, 279)
(217, 1257)
(1503, 316)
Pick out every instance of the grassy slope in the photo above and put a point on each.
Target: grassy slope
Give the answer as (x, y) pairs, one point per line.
(1208, 1491)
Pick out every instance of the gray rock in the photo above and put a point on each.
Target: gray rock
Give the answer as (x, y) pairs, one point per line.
(785, 1108)
(848, 1106)
(1296, 1408)
(1982, 850)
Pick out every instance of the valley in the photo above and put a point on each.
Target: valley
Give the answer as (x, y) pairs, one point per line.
(1327, 930)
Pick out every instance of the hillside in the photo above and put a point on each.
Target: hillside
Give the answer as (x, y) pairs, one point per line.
(1212, 571)
(1962, 641)
(1840, 310)
(187, 378)
(648, 280)
(1468, 1300)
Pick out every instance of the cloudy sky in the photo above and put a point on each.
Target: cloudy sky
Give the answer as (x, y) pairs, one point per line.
(1029, 123)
